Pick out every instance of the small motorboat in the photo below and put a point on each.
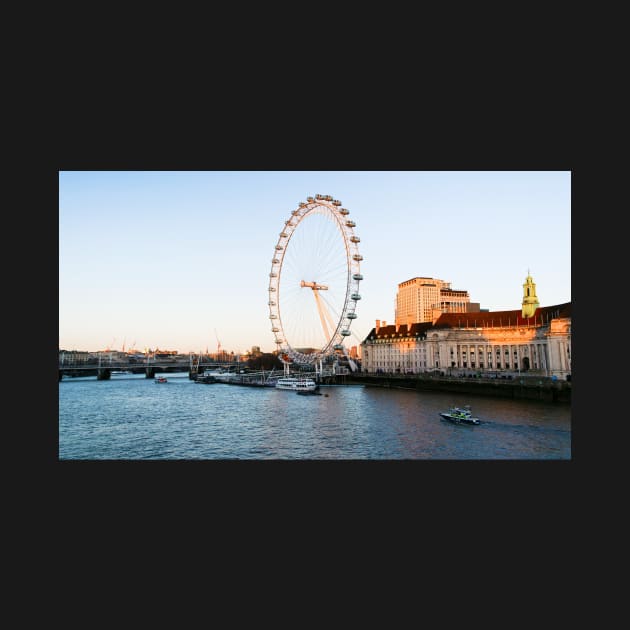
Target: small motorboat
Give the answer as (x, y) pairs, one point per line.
(460, 415)
(161, 379)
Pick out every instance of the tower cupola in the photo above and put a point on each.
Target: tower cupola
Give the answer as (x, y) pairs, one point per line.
(530, 300)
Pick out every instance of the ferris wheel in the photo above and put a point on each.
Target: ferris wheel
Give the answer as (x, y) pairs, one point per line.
(314, 281)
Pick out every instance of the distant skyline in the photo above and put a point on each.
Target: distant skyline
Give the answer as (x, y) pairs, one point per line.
(180, 260)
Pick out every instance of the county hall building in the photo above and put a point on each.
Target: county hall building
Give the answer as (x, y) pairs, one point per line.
(532, 340)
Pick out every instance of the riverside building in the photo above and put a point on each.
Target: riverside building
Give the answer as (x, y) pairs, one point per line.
(532, 340)
(420, 299)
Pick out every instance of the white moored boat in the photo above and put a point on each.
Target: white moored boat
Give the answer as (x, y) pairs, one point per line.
(296, 384)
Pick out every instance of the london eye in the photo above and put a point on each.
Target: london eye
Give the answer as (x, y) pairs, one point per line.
(314, 281)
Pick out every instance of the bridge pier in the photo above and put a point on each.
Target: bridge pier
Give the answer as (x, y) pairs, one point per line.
(103, 374)
(149, 372)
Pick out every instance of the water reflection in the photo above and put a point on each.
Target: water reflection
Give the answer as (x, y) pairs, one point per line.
(135, 419)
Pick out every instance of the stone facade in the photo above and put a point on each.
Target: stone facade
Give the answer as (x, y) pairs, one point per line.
(495, 343)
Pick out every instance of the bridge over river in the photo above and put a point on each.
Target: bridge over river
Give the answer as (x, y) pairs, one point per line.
(103, 371)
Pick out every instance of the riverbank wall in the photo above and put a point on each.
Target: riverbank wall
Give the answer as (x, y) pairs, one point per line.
(533, 388)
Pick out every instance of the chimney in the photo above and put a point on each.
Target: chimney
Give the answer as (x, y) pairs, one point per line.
(397, 325)
(384, 323)
(378, 325)
(409, 322)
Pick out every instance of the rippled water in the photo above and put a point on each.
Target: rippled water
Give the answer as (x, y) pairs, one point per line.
(132, 418)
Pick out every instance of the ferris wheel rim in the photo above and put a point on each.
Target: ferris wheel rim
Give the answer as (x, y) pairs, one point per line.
(320, 204)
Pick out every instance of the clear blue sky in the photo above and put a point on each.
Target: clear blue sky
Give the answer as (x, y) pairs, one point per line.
(163, 259)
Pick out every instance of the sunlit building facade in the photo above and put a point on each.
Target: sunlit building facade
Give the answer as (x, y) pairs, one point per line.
(533, 340)
(471, 343)
(418, 299)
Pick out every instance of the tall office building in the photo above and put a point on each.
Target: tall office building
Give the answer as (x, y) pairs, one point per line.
(423, 299)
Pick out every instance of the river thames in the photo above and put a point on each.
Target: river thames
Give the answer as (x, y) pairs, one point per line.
(132, 418)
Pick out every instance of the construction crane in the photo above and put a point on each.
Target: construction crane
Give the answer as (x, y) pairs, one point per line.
(218, 344)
